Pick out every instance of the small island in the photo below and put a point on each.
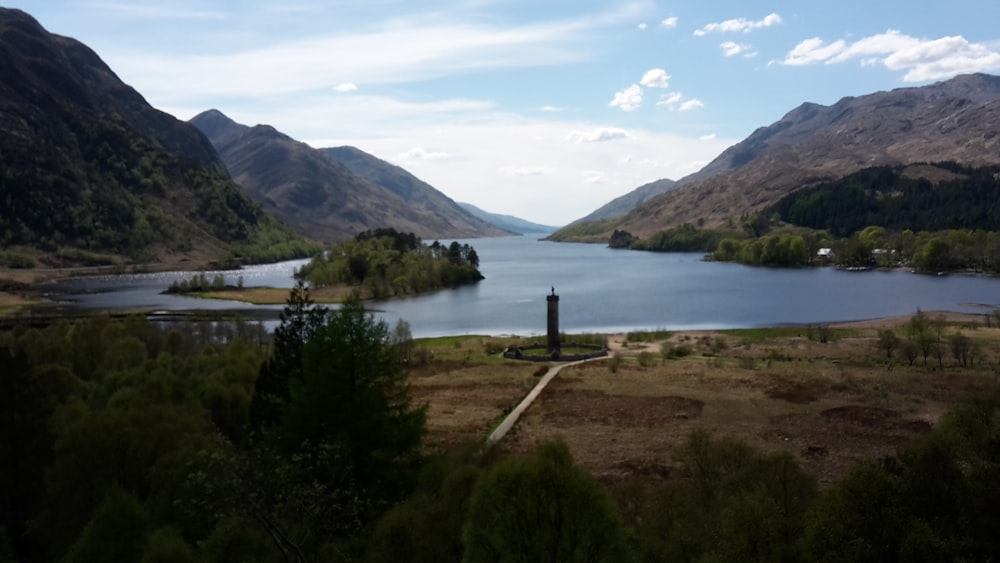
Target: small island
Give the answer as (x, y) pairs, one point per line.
(375, 264)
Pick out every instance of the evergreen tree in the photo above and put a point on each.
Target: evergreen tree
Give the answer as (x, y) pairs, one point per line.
(300, 320)
(349, 414)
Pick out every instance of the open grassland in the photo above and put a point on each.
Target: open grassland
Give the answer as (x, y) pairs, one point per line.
(827, 395)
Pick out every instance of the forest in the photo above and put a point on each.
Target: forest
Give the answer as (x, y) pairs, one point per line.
(128, 440)
(117, 195)
(384, 263)
(894, 199)
(878, 217)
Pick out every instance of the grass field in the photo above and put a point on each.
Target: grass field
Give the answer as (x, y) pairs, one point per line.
(830, 403)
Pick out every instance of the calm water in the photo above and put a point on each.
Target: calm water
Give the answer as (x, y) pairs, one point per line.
(601, 290)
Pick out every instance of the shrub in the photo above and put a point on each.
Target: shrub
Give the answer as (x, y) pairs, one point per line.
(675, 352)
(646, 359)
(615, 362)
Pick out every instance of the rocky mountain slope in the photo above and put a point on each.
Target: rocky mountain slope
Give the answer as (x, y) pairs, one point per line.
(88, 167)
(331, 195)
(955, 120)
(623, 204)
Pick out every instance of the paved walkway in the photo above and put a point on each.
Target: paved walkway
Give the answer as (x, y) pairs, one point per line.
(515, 414)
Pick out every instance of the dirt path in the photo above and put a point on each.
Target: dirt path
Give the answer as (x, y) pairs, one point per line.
(515, 414)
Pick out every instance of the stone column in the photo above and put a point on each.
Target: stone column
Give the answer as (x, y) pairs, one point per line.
(553, 324)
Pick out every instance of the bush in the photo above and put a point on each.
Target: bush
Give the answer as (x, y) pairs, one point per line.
(615, 362)
(17, 261)
(646, 359)
(675, 352)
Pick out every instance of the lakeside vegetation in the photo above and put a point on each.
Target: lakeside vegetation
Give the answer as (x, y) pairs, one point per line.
(376, 264)
(877, 217)
(386, 263)
(326, 442)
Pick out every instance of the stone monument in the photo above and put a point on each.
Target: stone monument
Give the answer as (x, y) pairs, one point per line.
(553, 324)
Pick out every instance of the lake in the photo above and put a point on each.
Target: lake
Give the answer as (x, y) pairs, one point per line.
(600, 289)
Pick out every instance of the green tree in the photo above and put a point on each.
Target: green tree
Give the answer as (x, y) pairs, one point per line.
(427, 527)
(888, 341)
(923, 335)
(116, 532)
(858, 519)
(350, 414)
(728, 502)
(543, 508)
(300, 320)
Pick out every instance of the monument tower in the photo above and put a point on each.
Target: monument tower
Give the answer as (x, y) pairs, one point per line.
(553, 324)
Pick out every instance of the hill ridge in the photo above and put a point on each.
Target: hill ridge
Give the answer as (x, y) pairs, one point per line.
(953, 120)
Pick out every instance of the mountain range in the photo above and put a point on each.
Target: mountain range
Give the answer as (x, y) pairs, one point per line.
(333, 194)
(508, 222)
(955, 120)
(89, 168)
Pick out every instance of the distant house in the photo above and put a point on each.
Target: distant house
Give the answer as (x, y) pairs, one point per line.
(826, 254)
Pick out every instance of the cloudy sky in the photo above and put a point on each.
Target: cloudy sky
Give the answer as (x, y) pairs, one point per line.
(541, 109)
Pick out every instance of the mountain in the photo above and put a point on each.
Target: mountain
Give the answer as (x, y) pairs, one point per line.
(623, 204)
(508, 222)
(322, 196)
(89, 168)
(954, 120)
(416, 193)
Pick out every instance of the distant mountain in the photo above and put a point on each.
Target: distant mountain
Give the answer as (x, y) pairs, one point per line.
(508, 222)
(322, 197)
(955, 120)
(623, 204)
(88, 167)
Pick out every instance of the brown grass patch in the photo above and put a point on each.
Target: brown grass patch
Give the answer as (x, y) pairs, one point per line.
(829, 404)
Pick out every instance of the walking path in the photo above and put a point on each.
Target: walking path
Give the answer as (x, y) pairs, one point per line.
(515, 414)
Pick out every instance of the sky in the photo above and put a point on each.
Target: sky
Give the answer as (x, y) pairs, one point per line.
(542, 109)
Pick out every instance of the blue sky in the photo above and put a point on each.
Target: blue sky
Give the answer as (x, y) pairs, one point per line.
(544, 110)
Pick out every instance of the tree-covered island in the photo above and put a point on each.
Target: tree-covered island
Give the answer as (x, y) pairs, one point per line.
(375, 264)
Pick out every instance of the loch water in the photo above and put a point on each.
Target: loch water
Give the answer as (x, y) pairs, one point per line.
(600, 289)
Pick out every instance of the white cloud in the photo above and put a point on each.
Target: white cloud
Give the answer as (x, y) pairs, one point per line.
(943, 58)
(399, 51)
(550, 109)
(655, 78)
(419, 153)
(594, 177)
(628, 99)
(675, 101)
(689, 105)
(524, 170)
(643, 26)
(597, 135)
(670, 99)
(922, 59)
(708, 137)
(813, 50)
(346, 87)
(669, 23)
(731, 49)
(739, 25)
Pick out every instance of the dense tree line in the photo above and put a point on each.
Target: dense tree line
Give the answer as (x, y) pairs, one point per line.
(384, 263)
(685, 238)
(891, 198)
(131, 441)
